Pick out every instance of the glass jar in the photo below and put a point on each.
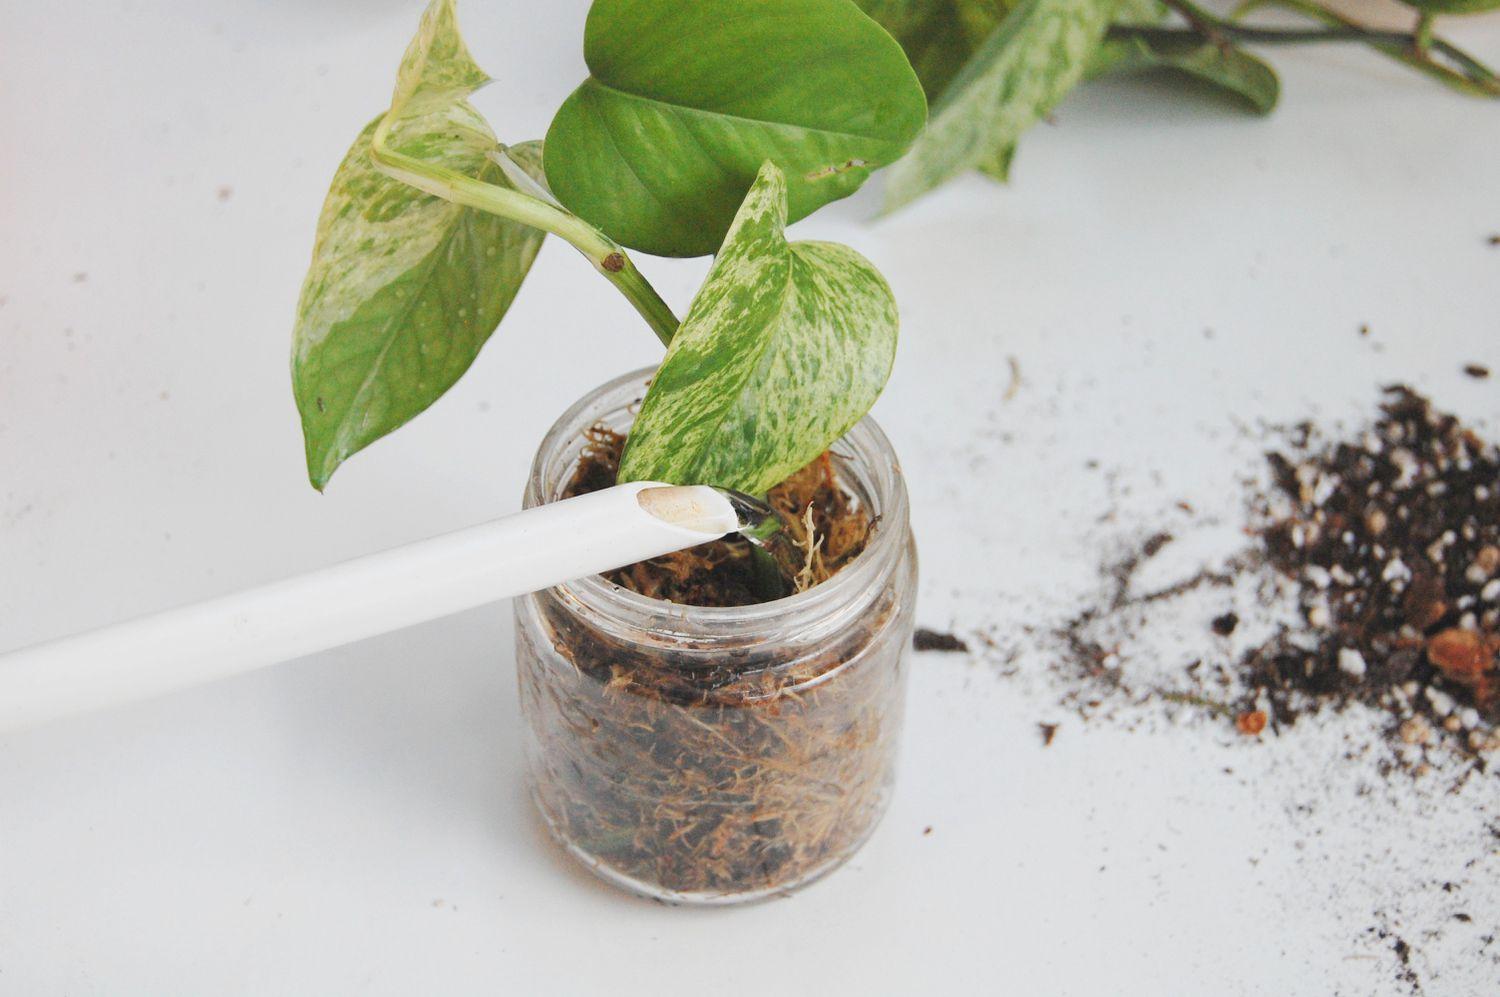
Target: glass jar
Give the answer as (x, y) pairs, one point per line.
(717, 755)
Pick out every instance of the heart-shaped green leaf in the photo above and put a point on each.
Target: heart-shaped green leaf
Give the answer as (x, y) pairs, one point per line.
(1232, 70)
(785, 347)
(404, 288)
(938, 36)
(1023, 69)
(686, 99)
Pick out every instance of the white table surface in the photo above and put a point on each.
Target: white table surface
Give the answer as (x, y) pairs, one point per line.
(355, 822)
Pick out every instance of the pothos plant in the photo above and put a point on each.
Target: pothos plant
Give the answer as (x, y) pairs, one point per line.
(703, 127)
(993, 68)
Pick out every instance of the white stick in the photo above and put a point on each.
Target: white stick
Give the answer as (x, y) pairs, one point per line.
(360, 598)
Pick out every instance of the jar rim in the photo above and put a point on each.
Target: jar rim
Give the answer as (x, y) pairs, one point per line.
(625, 611)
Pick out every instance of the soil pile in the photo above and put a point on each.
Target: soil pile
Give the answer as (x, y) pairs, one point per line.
(1394, 539)
(1386, 544)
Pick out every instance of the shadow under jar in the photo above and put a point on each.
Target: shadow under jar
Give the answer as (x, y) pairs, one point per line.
(707, 754)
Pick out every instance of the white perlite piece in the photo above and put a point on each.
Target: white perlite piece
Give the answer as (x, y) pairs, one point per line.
(1324, 489)
(1352, 663)
(1407, 464)
(1442, 703)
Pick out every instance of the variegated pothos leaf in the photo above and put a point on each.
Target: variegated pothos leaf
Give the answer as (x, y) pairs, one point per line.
(404, 288)
(436, 69)
(1023, 69)
(785, 347)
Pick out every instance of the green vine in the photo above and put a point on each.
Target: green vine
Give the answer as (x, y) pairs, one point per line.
(1419, 48)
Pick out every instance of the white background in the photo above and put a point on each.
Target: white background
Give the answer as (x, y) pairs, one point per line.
(1162, 268)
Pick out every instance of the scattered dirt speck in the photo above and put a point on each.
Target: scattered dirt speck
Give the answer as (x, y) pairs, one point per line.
(1154, 544)
(1013, 387)
(936, 640)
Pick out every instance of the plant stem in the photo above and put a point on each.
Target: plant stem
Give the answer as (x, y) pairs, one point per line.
(1423, 33)
(603, 252)
(1199, 20)
(1268, 36)
(1415, 48)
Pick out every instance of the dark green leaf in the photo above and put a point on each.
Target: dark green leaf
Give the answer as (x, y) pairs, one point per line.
(1023, 69)
(404, 288)
(1232, 70)
(938, 36)
(786, 346)
(686, 100)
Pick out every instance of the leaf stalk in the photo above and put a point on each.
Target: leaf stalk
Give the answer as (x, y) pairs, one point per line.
(604, 253)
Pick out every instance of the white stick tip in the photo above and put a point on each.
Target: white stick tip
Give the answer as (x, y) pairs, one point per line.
(692, 507)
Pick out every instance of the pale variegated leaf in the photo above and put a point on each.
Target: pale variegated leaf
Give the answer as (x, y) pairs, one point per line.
(1023, 69)
(404, 288)
(997, 167)
(785, 347)
(436, 70)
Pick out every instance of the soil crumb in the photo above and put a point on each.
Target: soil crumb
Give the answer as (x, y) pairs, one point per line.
(936, 640)
(824, 528)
